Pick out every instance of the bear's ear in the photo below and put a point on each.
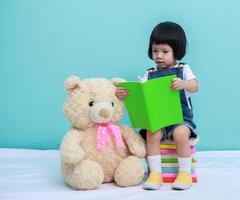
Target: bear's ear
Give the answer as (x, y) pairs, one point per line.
(114, 81)
(71, 83)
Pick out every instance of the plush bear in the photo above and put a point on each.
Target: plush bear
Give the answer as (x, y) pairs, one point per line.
(97, 149)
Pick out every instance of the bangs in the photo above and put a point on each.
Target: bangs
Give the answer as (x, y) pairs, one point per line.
(163, 37)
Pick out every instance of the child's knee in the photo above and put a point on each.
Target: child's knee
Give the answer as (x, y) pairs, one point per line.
(155, 136)
(181, 134)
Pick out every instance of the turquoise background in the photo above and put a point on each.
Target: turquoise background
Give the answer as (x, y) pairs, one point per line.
(42, 42)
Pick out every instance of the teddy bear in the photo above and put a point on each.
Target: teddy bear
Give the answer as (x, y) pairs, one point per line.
(98, 149)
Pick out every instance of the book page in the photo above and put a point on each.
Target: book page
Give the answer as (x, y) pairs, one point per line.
(163, 104)
(135, 104)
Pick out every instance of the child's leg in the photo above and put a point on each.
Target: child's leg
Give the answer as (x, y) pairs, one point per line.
(154, 180)
(181, 136)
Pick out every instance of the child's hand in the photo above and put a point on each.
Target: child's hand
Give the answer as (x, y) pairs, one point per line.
(121, 92)
(178, 84)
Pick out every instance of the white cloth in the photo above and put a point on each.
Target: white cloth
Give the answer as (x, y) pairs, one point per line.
(35, 174)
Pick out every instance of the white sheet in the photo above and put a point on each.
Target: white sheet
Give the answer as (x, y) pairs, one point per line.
(35, 174)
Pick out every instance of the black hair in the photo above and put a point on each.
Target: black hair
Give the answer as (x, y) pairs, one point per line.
(172, 34)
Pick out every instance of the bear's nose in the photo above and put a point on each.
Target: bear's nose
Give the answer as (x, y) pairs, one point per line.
(104, 113)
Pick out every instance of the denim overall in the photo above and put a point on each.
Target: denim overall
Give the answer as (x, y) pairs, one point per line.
(186, 109)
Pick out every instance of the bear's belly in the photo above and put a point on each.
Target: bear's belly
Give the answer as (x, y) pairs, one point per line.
(108, 159)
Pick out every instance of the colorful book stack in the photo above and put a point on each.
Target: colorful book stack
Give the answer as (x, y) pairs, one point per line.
(170, 163)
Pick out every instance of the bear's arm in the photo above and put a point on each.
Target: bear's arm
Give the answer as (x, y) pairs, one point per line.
(70, 150)
(135, 143)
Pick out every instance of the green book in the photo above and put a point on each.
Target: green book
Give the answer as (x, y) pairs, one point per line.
(152, 105)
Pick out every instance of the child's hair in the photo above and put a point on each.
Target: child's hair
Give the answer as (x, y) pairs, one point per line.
(172, 34)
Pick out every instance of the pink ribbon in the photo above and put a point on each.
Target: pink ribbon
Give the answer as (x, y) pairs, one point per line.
(104, 133)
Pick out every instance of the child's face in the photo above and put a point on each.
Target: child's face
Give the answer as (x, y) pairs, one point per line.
(162, 55)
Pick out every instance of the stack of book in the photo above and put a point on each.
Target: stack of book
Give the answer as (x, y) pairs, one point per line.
(170, 163)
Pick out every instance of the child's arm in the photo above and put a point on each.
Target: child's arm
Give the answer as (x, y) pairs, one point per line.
(190, 85)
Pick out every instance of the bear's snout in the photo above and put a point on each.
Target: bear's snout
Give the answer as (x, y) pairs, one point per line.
(101, 112)
(104, 113)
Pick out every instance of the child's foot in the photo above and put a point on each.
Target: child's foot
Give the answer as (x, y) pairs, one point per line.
(183, 181)
(154, 181)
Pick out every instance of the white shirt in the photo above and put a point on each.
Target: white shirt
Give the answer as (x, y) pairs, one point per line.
(187, 73)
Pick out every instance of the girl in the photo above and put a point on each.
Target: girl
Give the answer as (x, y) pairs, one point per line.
(166, 47)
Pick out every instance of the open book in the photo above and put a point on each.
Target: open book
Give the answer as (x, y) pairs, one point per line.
(152, 105)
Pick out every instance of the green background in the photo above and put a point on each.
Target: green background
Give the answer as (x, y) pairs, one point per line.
(42, 42)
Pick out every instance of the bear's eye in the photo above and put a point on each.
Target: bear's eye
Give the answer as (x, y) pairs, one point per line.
(91, 103)
(112, 104)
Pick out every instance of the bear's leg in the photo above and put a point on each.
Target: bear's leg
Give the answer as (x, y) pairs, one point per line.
(130, 172)
(87, 175)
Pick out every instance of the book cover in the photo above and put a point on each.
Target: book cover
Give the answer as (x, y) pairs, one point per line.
(152, 105)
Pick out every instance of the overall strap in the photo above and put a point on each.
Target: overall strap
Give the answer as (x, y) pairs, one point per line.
(155, 72)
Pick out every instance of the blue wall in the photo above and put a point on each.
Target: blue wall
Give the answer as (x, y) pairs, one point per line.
(42, 42)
